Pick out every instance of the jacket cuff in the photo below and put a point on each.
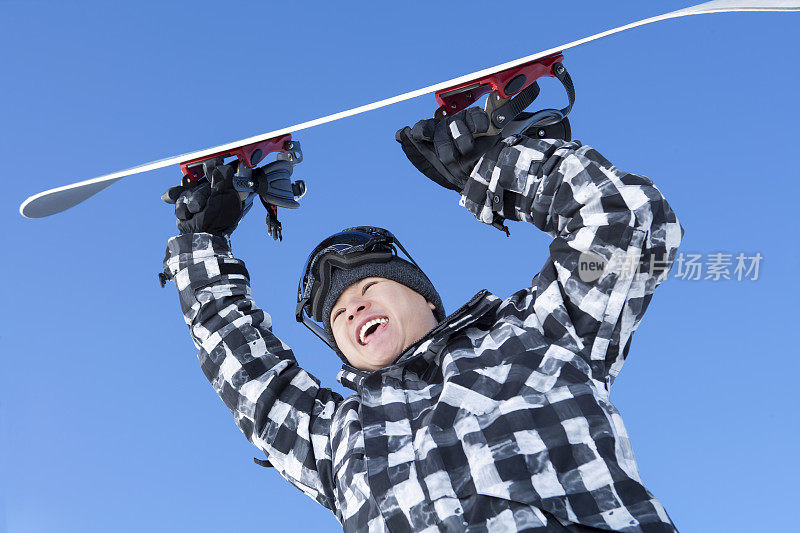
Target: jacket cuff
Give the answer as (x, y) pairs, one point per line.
(482, 193)
(504, 183)
(196, 256)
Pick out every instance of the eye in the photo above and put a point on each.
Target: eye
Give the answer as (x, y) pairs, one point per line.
(367, 286)
(336, 314)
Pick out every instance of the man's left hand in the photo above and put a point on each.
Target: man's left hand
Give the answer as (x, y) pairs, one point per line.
(447, 150)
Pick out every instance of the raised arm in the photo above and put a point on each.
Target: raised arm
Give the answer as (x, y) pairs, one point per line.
(597, 215)
(615, 237)
(278, 406)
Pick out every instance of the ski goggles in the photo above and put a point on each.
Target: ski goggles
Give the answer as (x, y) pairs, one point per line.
(345, 250)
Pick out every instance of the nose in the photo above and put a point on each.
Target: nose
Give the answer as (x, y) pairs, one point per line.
(355, 308)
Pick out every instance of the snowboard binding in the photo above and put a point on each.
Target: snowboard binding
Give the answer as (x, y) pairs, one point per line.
(271, 182)
(510, 92)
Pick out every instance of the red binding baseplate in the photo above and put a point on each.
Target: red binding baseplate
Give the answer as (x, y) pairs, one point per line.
(249, 154)
(506, 82)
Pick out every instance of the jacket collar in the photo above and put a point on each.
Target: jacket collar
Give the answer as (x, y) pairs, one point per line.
(421, 353)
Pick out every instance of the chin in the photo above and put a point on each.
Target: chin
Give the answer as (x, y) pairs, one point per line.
(382, 360)
(376, 361)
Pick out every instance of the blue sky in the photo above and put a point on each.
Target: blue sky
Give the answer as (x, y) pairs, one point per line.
(107, 421)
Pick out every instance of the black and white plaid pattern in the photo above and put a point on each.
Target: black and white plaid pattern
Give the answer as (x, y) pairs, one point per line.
(499, 419)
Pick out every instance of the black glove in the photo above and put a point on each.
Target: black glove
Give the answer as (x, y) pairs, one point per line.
(447, 150)
(207, 207)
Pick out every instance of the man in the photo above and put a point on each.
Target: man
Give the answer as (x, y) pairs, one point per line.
(495, 417)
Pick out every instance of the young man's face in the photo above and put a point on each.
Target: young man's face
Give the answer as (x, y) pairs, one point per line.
(375, 319)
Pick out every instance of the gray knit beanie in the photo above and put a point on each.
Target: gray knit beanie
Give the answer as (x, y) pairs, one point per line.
(395, 269)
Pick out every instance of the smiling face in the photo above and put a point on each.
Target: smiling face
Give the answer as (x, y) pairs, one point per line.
(375, 319)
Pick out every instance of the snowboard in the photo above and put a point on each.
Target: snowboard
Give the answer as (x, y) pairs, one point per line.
(503, 81)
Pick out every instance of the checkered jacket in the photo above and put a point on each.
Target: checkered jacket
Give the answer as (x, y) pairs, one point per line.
(498, 419)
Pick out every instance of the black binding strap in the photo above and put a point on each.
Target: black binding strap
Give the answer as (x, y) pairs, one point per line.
(516, 105)
(520, 119)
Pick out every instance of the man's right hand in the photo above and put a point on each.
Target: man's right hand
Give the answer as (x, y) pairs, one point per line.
(207, 207)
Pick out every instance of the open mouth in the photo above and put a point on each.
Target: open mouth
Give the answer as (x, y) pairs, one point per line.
(369, 328)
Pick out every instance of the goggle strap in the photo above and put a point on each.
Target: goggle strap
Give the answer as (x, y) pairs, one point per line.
(318, 331)
(412, 260)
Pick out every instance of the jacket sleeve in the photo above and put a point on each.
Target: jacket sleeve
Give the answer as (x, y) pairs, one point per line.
(278, 406)
(615, 238)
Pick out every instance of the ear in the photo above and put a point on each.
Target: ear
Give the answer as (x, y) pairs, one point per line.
(433, 307)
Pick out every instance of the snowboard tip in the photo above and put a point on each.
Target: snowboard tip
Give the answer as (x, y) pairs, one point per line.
(60, 199)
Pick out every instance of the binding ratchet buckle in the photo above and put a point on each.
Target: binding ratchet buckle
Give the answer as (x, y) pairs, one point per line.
(512, 91)
(271, 183)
